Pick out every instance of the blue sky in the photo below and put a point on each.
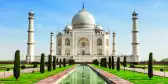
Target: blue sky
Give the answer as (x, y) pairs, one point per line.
(113, 14)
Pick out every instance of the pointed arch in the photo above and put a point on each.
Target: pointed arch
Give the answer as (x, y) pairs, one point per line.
(99, 51)
(67, 42)
(67, 51)
(59, 42)
(59, 51)
(107, 42)
(99, 42)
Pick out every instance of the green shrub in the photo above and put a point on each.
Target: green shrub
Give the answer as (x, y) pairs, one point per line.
(16, 68)
(113, 66)
(42, 65)
(54, 62)
(49, 63)
(150, 66)
(118, 63)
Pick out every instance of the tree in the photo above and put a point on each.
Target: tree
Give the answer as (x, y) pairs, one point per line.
(150, 66)
(54, 63)
(125, 62)
(16, 69)
(113, 66)
(60, 63)
(118, 63)
(164, 60)
(109, 63)
(154, 60)
(42, 63)
(105, 62)
(57, 61)
(64, 62)
(49, 63)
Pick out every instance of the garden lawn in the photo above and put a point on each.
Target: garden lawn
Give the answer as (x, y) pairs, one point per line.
(30, 78)
(135, 77)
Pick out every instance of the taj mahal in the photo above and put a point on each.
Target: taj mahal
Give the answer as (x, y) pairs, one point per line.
(83, 40)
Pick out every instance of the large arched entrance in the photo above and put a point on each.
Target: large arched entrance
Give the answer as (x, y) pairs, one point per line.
(83, 46)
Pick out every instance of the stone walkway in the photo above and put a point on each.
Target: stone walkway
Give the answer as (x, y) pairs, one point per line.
(157, 73)
(10, 73)
(112, 77)
(55, 78)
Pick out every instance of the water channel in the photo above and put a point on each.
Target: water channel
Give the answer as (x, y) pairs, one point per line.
(83, 74)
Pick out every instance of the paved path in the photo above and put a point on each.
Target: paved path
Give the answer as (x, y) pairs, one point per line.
(112, 77)
(10, 73)
(157, 73)
(55, 78)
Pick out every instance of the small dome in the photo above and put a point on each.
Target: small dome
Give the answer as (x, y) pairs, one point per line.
(68, 27)
(31, 12)
(83, 17)
(99, 27)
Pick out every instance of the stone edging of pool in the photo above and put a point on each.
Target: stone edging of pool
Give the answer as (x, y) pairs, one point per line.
(102, 76)
(110, 77)
(55, 79)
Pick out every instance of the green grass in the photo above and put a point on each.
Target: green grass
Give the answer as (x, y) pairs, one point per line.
(135, 77)
(30, 78)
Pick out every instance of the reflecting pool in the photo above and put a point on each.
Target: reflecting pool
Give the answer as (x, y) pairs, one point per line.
(83, 74)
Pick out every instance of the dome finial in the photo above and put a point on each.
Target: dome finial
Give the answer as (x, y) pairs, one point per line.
(83, 6)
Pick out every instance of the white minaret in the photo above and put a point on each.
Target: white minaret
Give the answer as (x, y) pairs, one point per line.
(135, 43)
(30, 43)
(52, 44)
(114, 44)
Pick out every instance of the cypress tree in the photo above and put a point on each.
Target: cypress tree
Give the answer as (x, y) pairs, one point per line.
(57, 61)
(16, 69)
(54, 63)
(105, 62)
(64, 62)
(118, 64)
(60, 63)
(113, 66)
(125, 62)
(101, 62)
(109, 63)
(49, 63)
(150, 66)
(42, 63)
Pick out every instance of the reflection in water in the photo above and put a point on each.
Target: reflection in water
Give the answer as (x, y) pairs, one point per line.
(83, 74)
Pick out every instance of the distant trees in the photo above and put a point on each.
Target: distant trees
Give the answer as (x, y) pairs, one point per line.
(54, 62)
(118, 63)
(109, 63)
(150, 66)
(164, 60)
(60, 63)
(64, 62)
(113, 66)
(49, 63)
(42, 63)
(125, 62)
(16, 69)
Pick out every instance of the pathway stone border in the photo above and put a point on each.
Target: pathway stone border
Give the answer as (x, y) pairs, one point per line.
(55, 79)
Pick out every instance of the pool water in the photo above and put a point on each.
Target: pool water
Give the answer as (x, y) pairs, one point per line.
(83, 74)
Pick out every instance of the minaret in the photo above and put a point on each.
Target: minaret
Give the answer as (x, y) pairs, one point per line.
(135, 43)
(114, 44)
(52, 44)
(30, 43)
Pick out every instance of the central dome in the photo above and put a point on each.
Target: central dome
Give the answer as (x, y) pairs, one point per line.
(84, 18)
